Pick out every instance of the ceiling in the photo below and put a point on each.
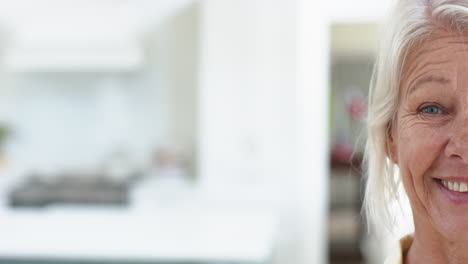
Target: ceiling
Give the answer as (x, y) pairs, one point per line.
(69, 34)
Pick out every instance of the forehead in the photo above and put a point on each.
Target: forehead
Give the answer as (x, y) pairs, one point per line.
(438, 44)
(443, 54)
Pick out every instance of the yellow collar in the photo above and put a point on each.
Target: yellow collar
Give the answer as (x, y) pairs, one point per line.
(397, 255)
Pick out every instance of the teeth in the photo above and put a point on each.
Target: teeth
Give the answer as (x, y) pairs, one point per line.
(456, 186)
(463, 187)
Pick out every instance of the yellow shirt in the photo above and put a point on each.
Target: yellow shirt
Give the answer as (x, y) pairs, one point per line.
(396, 256)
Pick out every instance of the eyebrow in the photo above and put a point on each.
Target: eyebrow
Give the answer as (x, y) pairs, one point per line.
(427, 79)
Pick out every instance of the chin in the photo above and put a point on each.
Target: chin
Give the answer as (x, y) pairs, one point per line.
(448, 213)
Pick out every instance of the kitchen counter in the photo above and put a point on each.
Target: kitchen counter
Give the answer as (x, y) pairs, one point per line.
(148, 231)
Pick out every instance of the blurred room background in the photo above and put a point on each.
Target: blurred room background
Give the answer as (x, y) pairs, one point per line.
(185, 131)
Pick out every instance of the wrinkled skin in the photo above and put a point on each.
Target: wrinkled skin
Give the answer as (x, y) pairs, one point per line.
(429, 141)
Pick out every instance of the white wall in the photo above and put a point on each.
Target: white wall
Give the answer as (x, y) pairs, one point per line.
(312, 134)
(247, 85)
(343, 11)
(263, 114)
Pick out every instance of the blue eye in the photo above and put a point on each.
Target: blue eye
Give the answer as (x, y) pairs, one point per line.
(432, 109)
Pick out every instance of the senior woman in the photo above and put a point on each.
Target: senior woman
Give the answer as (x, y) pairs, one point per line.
(418, 129)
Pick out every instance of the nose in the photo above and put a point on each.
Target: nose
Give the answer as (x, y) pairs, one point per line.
(457, 146)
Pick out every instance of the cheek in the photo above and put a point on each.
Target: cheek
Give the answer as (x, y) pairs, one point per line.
(419, 146)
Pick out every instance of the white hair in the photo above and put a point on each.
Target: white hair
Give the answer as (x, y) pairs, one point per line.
(410, 23)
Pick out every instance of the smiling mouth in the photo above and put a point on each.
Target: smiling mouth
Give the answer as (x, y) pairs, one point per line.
(455, 186)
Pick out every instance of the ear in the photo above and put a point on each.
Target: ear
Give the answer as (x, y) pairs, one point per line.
(392, 146)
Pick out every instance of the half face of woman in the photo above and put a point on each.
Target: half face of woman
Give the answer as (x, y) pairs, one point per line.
(429, 138)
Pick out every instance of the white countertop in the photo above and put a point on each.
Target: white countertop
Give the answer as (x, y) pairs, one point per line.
(149, 230)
